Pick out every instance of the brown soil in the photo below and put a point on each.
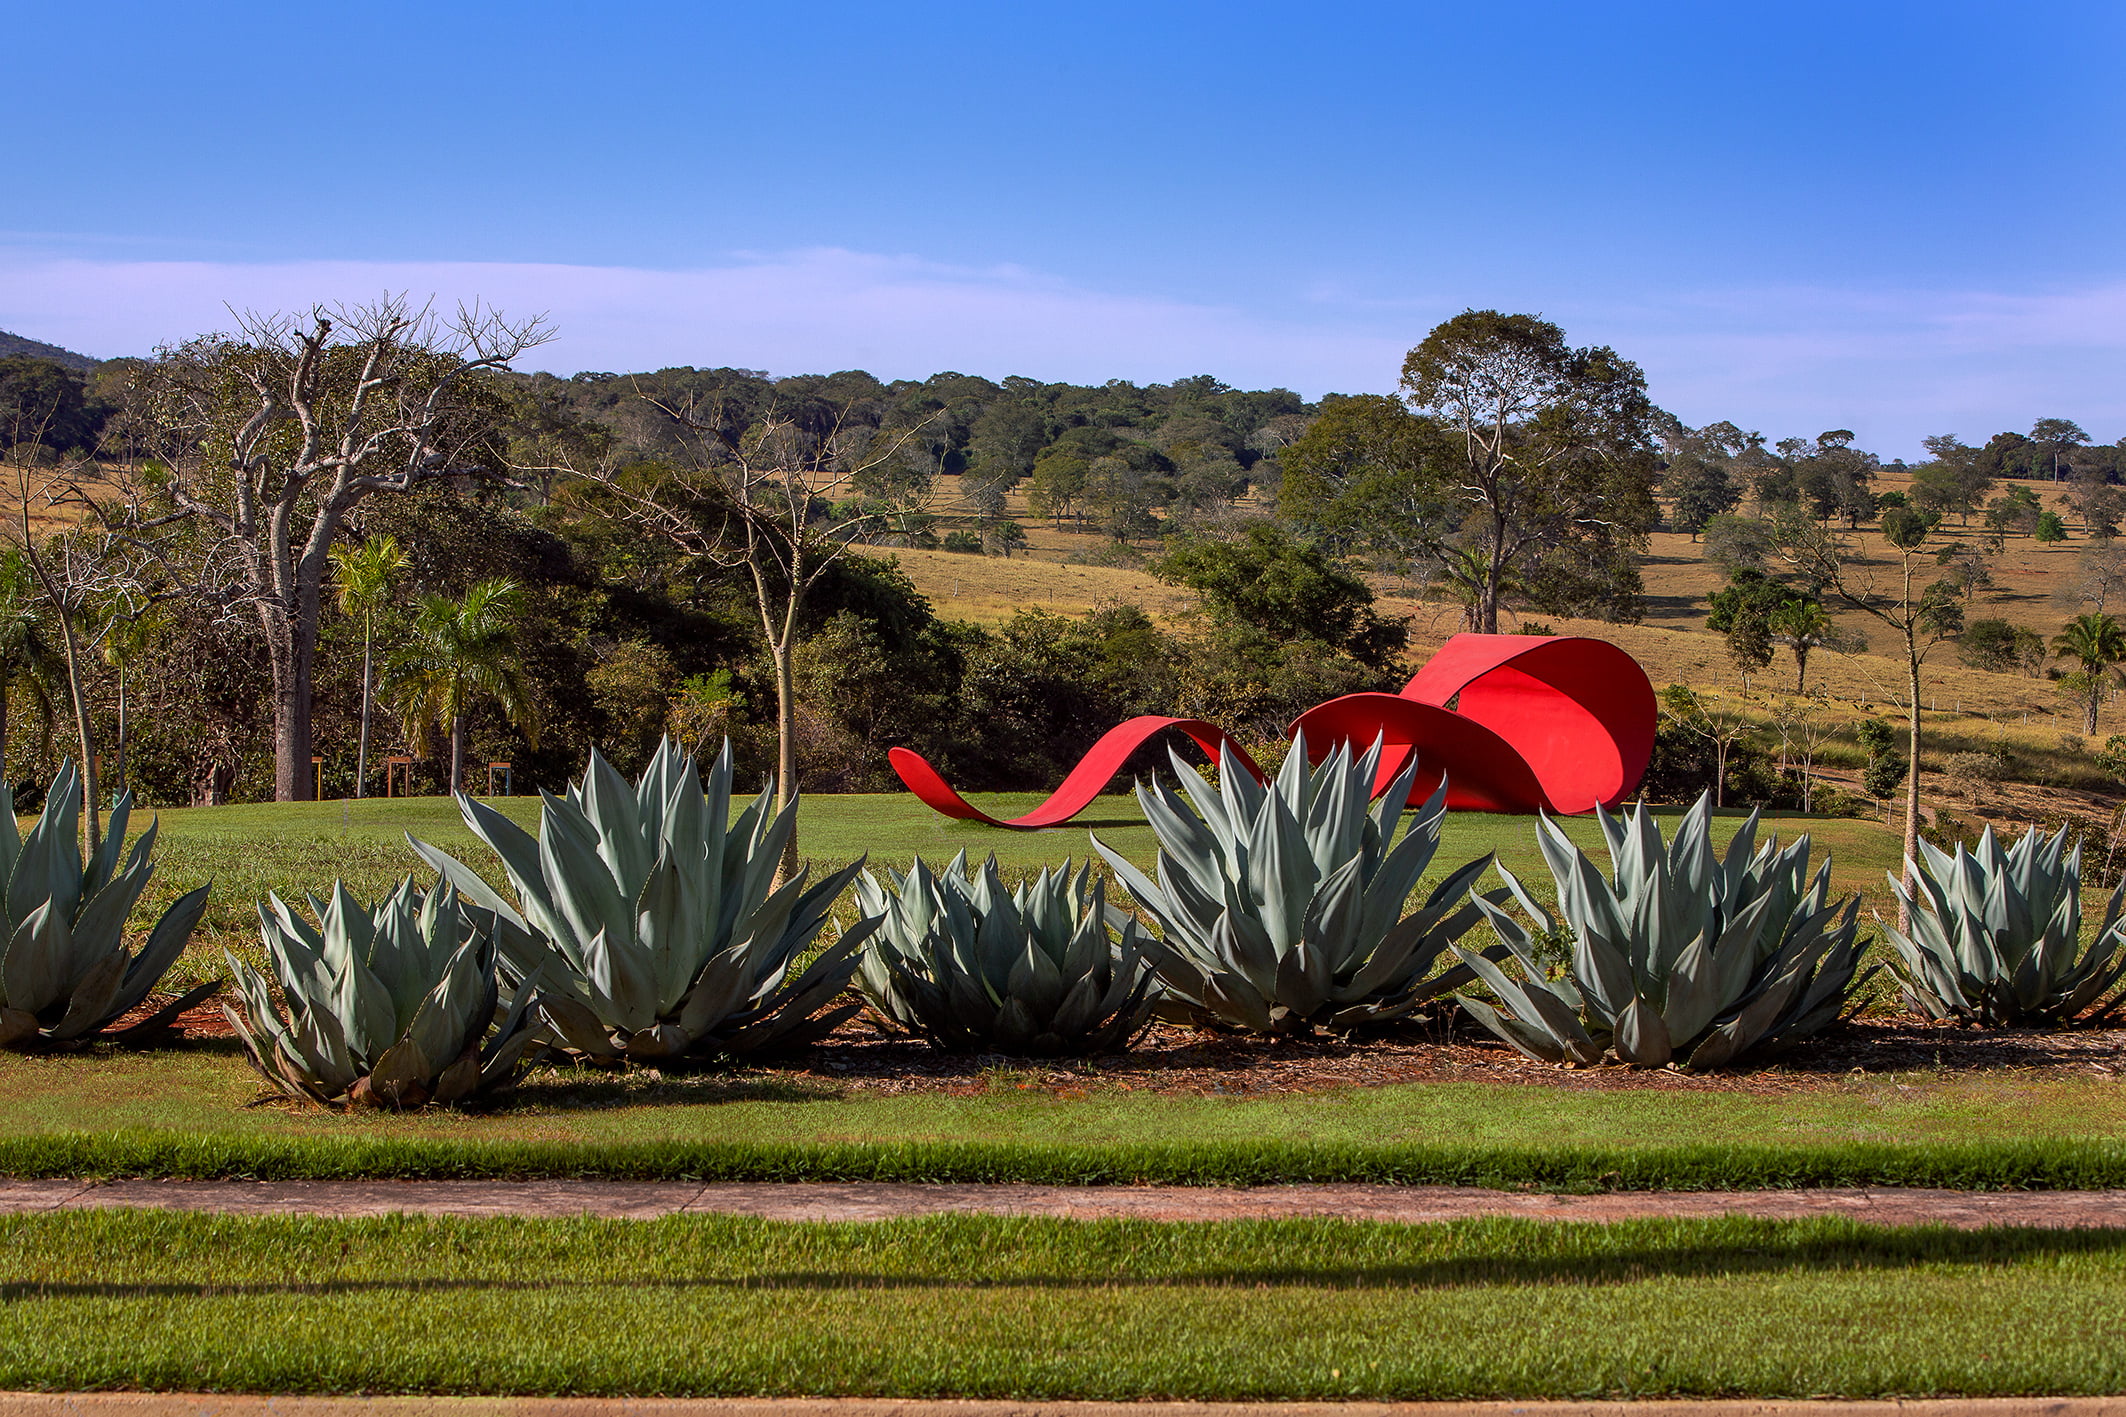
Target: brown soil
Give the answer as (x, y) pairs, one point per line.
(1174, 1059)
(1169, 1058)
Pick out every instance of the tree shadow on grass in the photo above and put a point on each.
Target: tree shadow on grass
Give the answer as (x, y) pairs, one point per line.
(1729, 1249)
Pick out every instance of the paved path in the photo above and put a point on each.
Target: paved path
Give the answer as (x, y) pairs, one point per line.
(646, 1200)
(127, 1404)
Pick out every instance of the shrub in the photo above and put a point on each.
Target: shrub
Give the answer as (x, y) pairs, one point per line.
(652, 919)
(969, 963)
(1996, 936)
(65, 973)
(391, 1007)
(2001, 648)
(1979, 774)
(1280, 907)
(1684, 956)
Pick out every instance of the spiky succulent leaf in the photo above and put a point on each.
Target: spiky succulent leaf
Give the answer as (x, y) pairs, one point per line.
(1996, 935)
(1682, 954)
(969, 963)
(396, 1004)
(65, 972)
(1280, 907)
(654, 916)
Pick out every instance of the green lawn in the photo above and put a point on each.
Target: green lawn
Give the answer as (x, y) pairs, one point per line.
(295, 847)
(970, 1306)
(184, 1112)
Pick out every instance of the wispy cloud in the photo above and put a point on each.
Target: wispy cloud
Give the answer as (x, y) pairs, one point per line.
(806, 311)
(1894, 365)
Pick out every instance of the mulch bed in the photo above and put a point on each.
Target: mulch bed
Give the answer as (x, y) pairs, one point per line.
(1189, 1061)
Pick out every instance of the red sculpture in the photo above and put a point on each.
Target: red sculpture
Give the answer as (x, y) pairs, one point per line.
(1515, 723)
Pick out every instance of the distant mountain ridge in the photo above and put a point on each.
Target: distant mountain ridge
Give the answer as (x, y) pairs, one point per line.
(12, 345)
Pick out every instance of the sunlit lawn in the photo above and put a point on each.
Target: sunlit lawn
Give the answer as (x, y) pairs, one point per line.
(293, 847)
(966, 1306)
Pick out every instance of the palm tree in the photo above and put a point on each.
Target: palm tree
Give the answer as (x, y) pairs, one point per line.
(28, 659)
(1801, 625)
(457, 653)
(365, 573)
(2098, 643)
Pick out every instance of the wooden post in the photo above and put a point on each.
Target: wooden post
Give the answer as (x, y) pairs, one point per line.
(506, 781)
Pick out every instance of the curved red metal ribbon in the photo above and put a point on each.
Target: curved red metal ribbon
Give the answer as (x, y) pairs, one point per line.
(1555, 723)
(1093, 772)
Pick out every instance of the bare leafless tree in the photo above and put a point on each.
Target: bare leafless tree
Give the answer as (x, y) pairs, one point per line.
(273, 436)
(1805, 722)
(757, 498)
(1879, 575)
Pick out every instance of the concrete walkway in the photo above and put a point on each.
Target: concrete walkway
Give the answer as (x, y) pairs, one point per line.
(644, 1200)
(220, 1405)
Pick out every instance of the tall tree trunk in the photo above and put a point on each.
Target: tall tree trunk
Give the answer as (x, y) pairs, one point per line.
(457, 754)
(361, 751)
(84, 732)
(1904, 914)
(785, 748)
(1492, 573)
(1801, 670)
(118, 774)
(291, 615)
(1719, 773)
(291, 660)
(2089, 709)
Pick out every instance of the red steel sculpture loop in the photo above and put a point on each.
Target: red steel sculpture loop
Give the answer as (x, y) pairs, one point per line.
(1515, 723)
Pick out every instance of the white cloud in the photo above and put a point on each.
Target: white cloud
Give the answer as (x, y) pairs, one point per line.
(1892, 365)
(804, 312)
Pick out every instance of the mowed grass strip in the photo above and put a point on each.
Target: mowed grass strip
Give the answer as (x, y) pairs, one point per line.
(1038, 1308)
(1983, 1165)
(186, 1113)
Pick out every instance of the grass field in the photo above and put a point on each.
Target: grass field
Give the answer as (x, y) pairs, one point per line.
(202, 1090)
(963, 1306)
(247, 850)
(1966, 709)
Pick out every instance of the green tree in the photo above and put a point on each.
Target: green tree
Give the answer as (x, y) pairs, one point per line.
(1955, 481)
(1700, 489)
(2097, 643)
(2055, 438)
(1286, 588)
(2049, 527)
(29, 662)
(1550, 463)
(457, 654)
(130, 634)
(364, 573)
(1834, 478)
(2002, 648)
(1362, 479)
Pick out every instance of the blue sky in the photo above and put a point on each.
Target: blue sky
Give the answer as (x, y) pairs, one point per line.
(1899, 218)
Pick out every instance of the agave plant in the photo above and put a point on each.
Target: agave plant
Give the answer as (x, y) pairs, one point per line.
(1683, 957)
(65, 973)
(390, 1007)
(1280, 906)
(654, 918)
(969, 963)
(1996, 936)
